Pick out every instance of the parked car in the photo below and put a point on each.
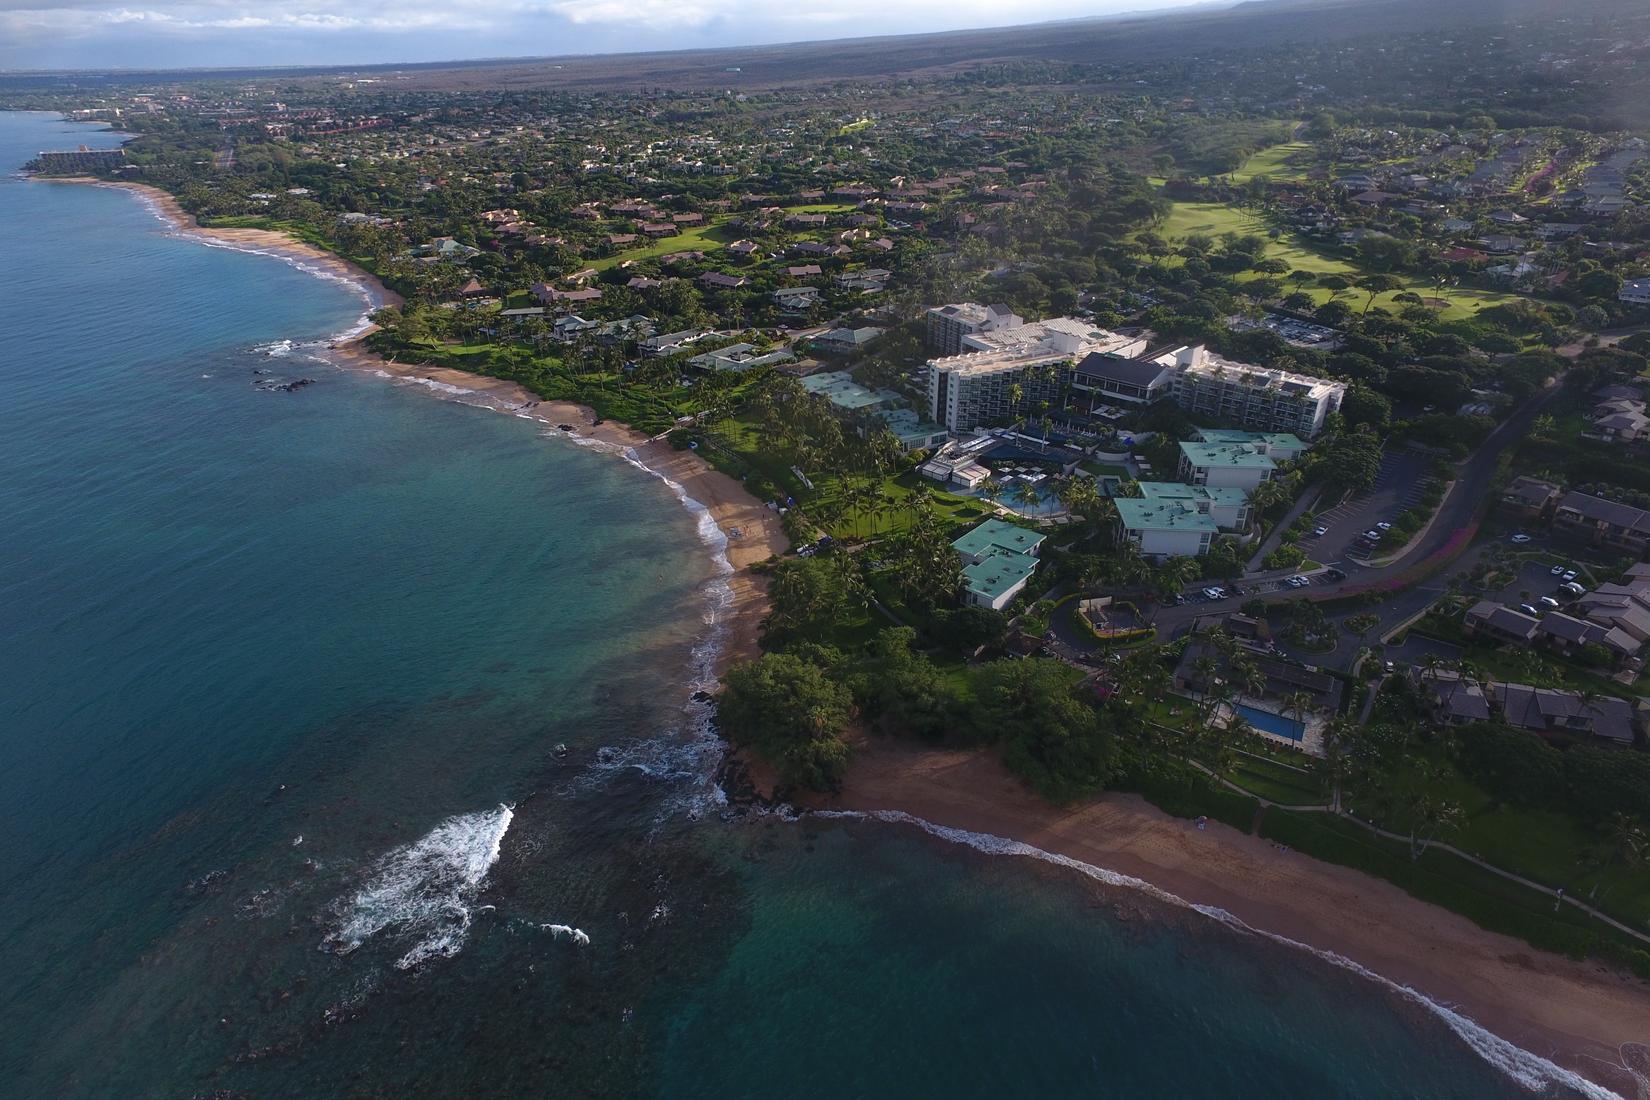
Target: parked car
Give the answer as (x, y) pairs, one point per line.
(1570, 574)
(1320, 530)
(1521, 538)
(1384, 525)
(1556, 571)
(1336, 575)
(1527, 609)
(1549, 603)
(1298, 581)
(1372, 535)
(1574, 589)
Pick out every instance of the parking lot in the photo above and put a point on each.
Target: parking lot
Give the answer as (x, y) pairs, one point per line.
(1396, 487)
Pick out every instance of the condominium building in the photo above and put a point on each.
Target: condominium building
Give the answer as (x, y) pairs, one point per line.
(1224, 465)
(1228, 507)
(1165, 528)
(978, 387)
(1268, 400)
(947, 325)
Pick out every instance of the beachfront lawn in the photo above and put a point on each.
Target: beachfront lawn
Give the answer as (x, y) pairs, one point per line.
(1296, 785)
(1445, 879)
(1541, 845)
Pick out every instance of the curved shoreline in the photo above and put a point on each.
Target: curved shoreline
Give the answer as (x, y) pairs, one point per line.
(1577, 1015)
(752, 531)
(1525, 1000)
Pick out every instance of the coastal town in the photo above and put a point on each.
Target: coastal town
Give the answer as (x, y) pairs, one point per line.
(1276, 448)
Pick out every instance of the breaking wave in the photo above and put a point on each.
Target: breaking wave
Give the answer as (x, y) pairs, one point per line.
(424, 890)
(1529, 1070)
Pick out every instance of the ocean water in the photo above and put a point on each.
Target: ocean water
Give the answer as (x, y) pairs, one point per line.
(347, 748)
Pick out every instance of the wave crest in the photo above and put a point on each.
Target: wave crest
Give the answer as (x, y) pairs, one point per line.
(425, 889)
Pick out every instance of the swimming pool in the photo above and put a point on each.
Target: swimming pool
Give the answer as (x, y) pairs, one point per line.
(1267, 722)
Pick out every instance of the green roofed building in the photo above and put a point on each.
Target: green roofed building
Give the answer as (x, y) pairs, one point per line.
(1229, 508)
(1165, 528)
(839, 388)
(998, 559)
(1278, 446)
(1224, 465)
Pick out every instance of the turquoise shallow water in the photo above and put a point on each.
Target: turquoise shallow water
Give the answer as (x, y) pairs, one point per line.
(283, 675)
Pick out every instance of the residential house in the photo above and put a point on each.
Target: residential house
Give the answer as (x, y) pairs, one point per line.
(1605, 522)
(1499, 623)
(1634, 292)
(1530, 498)
(1548, 711)
(718, 281)
(1451, 696)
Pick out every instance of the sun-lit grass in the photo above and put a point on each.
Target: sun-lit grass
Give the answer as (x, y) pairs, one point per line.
(1214, 219)
(1276, 162)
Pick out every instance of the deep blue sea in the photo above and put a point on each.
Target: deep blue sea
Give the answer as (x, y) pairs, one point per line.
(283, 676)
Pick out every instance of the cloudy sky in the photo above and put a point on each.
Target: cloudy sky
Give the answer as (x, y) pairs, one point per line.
(55, 34)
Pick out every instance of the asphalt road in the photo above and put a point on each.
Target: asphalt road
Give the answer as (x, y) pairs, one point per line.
(1472, 484)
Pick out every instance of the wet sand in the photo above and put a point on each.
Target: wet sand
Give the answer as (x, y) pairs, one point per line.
(1579, 1015)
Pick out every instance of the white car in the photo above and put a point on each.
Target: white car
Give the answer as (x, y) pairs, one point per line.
(1549, 602)
(1320, 531)
(1569, 574)
(1556, 571)
(1384, 525)
(1521, 538)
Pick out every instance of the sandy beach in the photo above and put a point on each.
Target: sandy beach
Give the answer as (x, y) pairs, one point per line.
(263, 240)
(754, 532)
(1578, 1015)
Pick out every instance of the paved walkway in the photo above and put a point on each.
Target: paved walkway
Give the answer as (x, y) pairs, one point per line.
(1274, 539)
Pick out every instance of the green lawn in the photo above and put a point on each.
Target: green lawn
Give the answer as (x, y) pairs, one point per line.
(1275, 162)
(709, 237)
(702, 238)
(1213, 219)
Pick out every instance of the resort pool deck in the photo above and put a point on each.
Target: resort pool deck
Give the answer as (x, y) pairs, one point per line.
(1275, 724)
(1304, 734)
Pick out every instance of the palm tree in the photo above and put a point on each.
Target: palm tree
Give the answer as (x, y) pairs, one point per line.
(1625, 842)
(1026, 494)
(991, 489)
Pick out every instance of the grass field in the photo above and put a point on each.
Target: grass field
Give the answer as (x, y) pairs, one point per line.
(705, 238)
(1275, 163)
(1213, 219)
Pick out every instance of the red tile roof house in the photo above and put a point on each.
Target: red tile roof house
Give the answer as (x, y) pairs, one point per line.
(549, 295)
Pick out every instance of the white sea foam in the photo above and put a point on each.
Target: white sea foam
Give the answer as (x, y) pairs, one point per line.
(1529, 1070)
(424, 890)
(560, 930)
(687, 757)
